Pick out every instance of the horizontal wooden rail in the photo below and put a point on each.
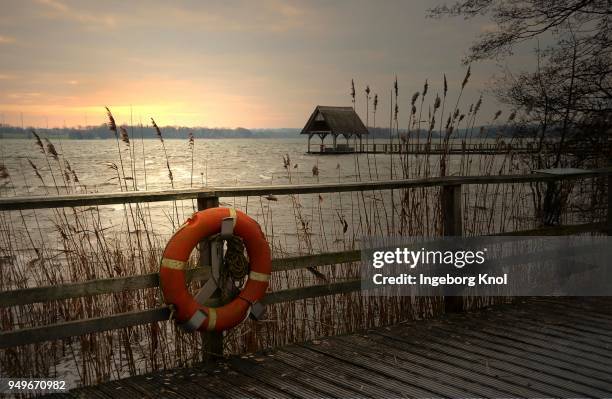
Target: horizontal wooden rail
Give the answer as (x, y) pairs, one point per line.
(27, 296)
(26, 336)
(118, 284)
(68, 329)
(565, 230)
(38, 202)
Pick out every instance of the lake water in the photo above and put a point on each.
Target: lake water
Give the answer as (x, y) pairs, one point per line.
(95, 166)
(216, 162)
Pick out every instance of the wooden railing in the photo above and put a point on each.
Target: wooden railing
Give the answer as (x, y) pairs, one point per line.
(435, 147)
(209, 197)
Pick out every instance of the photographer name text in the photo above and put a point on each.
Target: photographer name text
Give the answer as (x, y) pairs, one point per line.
(436, 281)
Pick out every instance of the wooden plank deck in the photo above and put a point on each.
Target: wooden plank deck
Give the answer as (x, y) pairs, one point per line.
(538, 347)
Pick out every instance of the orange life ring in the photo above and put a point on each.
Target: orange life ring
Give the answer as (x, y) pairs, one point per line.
(174, 260)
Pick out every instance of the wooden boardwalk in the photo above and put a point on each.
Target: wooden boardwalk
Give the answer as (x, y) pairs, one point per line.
(544, 347)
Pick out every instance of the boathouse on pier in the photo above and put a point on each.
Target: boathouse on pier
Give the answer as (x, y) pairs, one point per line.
(335, 121)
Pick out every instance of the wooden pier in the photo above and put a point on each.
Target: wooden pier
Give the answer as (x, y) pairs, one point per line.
(544, 347)
(537, 347)
(350, 136)
(421, 149)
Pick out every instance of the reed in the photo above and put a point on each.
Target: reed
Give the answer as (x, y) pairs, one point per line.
(76, 244)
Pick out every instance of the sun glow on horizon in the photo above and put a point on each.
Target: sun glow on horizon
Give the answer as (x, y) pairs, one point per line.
(228, 64)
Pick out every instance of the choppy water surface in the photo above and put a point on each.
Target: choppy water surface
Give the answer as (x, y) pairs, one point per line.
(95, 166)
(216, 162)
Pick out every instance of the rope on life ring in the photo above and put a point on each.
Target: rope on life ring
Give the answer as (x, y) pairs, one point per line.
(234, 262)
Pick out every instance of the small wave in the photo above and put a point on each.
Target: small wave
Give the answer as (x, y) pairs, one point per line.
(106, 184)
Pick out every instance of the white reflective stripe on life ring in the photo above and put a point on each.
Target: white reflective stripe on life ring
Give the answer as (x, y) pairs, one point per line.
(256, 276)
(195, 321)
(173, 264)
(212, 319)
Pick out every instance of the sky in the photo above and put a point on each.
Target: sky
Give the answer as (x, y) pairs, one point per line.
(253, 64)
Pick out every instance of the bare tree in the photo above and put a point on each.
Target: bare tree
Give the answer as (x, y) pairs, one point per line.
(566, 100)
(572, 84)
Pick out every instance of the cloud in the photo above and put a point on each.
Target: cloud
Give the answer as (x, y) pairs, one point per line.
(58, 9)
(266, 16)
(6, 39)
(222, 63)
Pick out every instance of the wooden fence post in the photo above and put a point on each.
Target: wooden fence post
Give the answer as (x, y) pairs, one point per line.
(452, 225)
(212, 342)
(609, 215)
(452, 216)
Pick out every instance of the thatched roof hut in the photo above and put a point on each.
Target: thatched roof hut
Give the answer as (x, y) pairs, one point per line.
(334, 121)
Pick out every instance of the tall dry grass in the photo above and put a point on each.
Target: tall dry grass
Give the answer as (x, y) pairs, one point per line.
(85, 247)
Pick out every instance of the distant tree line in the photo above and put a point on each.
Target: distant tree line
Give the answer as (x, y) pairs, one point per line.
(169, 132)
(490, 132)
(174, 132)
